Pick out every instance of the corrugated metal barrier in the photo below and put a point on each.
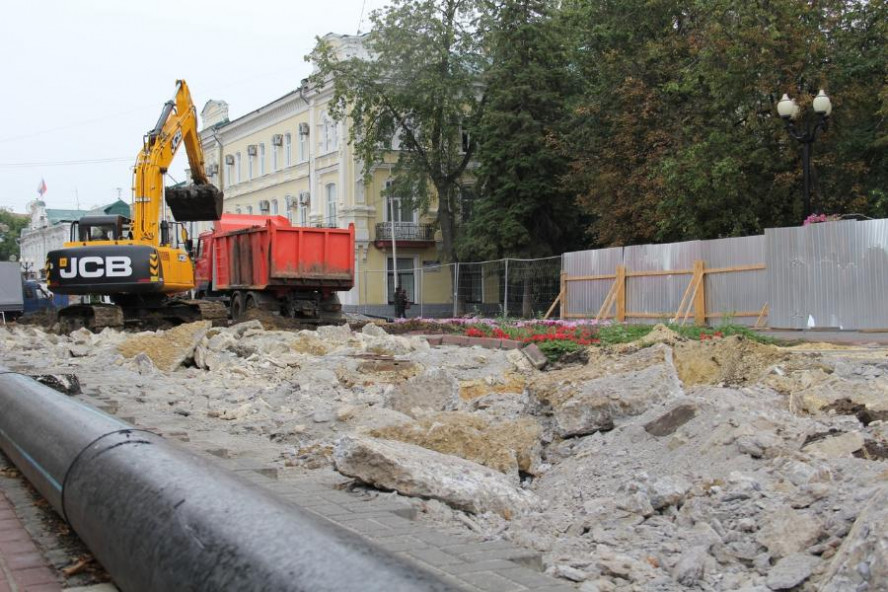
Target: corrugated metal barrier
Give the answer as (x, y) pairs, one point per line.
(826, 275)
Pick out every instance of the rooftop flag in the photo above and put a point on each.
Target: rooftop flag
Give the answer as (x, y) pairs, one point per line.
(41, 189)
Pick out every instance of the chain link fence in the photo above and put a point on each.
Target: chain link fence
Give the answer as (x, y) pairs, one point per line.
(521, 288)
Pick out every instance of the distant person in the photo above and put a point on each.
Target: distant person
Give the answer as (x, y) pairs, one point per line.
(401, 303)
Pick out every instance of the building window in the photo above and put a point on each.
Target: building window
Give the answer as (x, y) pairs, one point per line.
(331, 206)
(274, 207)
(303, 144)
(405, 278)
(264, 207)
(397, 207)
(237, 165)
(330, 135)
(229, 179)
(288, 149)
(250, 160)
(237, 210)
(249, 209)
(274, 157)
(289, 203)
(261, 159)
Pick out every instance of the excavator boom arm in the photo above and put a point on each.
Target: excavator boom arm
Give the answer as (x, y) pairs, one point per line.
(177, 124)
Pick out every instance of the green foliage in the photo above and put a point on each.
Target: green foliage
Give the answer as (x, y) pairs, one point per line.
(633, 120)
(676, 136)
(521, 209)
(422, 87)
(11, 227)
(554, 350)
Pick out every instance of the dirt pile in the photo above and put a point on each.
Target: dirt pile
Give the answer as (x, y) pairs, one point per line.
(731, 361)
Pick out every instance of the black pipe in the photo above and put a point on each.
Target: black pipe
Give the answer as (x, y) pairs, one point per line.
(159, 518)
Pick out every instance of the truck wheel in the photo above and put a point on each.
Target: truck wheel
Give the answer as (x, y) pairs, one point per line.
(237, 306)
(250, 302)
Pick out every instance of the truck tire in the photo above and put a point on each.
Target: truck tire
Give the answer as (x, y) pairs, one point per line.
(250, 302)
(237, 307)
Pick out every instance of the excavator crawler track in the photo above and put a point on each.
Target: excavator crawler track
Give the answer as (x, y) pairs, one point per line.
(94, 317)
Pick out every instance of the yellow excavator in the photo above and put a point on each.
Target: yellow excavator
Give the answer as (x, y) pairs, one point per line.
(142, 265)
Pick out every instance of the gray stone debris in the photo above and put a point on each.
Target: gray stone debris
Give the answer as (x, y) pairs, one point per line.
(626, 478)
(791, 571)
(861, 563)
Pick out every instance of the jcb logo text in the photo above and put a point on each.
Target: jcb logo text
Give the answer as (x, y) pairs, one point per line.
(93, 267)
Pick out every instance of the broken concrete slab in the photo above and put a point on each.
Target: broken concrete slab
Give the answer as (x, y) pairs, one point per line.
(838, 446)
(419, 472)
(673, 419)
(433, 390)
(594, 405)
(536, 356)
(507, 446)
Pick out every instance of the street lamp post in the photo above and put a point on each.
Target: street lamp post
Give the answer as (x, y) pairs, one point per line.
(789, 111)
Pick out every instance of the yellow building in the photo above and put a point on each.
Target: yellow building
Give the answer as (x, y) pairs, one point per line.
(290, 158)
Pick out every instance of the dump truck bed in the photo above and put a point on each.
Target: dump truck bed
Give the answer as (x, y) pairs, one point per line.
(277, 255)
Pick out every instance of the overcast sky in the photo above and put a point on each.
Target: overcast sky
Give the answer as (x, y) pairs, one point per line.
(84, 80)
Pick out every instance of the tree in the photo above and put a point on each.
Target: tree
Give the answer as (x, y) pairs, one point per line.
(11, 226)
(522, 209)
(676, 136)
(419, 86)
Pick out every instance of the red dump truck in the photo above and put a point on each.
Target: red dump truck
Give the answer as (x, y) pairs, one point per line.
(263, 262)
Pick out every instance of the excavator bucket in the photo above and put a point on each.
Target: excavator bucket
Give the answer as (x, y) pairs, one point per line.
(194, 203)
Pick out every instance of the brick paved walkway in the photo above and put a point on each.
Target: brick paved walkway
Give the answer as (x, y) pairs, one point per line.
(22, 567)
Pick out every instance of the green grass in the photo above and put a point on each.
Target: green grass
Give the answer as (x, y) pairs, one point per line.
(614, 334)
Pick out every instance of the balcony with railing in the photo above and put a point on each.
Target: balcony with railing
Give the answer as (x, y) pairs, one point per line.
(407, 234)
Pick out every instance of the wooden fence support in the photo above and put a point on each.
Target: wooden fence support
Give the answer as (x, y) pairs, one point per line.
(620, 294)
(700, 293)
(563, 295)
(608, 302)
(554, 304)
(762, 315)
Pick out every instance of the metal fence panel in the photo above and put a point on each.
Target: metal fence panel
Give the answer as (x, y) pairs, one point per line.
(530, 286)
(658, 295)
(584, 298)
(871, 246)
(829, 275)
(786, 294)
(735, 292)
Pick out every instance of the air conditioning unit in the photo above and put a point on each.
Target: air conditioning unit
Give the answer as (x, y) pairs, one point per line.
(303, 129)
(229, 159)
(304, 198)
(252, 150)
(213, 169)
(277, 139)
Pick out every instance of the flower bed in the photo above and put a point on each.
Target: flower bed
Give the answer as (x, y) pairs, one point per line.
(555, 337)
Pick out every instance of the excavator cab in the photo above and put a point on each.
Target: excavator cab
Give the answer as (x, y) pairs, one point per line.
(101, 228)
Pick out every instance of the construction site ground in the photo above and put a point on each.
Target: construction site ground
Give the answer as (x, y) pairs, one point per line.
(664, 464)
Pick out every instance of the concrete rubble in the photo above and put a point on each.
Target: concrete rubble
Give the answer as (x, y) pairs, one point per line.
(662, 465)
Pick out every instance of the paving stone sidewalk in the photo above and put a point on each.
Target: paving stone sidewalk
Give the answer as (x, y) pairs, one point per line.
(23, 568)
